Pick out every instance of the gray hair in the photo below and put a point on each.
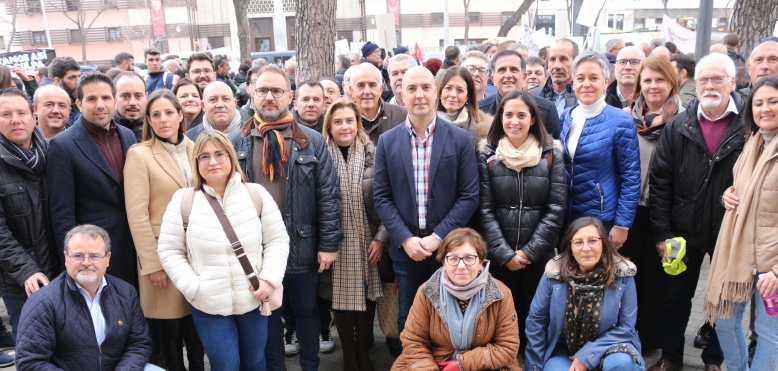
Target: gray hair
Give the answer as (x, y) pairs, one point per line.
(655, 43)
(402, 57)
(369, 67)
(259, 62)
(46, 88)
(473, 54)
(592, 56)
(344, 61)
(517, 46)
(349, 71)
(89, 230)
(729, 65)
(612, 43)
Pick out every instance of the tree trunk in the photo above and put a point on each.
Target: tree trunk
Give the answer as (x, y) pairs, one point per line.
(569, 16)
(467, 23)
(315, 35)
(241, 7)
(514, 18)
(753, 20)
(83, 43)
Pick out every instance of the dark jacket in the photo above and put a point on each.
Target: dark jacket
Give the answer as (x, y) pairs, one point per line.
(340, 75)
(135, 125)
(737, 58)
(686, 182)
(317, 128)
(242, 95)
(547, 92)
(46, 81)
(311, 211)
(452, 182)
(239, 79)
(532, 201)
(548, 112)
(26, 238)
(612, 95)
(391, 116)
(159, 80)
(227, 80)
(86, 191)
(387, 93)
(56, 330)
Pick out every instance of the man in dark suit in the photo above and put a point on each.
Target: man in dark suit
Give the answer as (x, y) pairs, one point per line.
(85, 174)
(507, 71)
(426, 184)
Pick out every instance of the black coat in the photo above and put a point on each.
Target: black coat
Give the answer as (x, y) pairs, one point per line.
(56, 330)
(612, 95)
(686, 183)
(86, 191)
(26, 239)
(533, 200)
(548, 112)
(547, 92)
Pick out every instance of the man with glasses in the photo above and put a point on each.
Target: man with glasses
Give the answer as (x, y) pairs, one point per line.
(293, 163)
(221, 63)
(559, 87)
(104, 328)
(158, 77)
(199, 68)
(691, 169)
(477, 63)
(398, 66)
(626, 69)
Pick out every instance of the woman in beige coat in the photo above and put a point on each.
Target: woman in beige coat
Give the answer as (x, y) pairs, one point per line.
(154, 170)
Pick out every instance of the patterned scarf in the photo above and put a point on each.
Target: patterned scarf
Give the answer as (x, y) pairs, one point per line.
(274, 151)
(583, 312)
(352, 279)
(652, 130)
(35, 157)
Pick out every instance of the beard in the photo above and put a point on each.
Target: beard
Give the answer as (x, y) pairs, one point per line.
(85, 278)
(713, 100)
(71, 92)
(272, 116)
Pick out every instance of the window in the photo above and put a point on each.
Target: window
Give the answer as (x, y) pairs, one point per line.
(658, 20)
(436, 18)
(348, 35)
(75, 36)
(39, 37)
(640, 23)
(33, 6)
(71, 5)
(619, 21)
(114, 33)
(216, 42)
(610, 20)
(475, 17)
(504, 16)
(460, 42)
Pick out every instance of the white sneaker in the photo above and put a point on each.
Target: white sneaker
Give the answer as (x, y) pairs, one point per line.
(326, 345)
(291, 345)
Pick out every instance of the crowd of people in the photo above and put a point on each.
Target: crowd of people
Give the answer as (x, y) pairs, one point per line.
(492, 205)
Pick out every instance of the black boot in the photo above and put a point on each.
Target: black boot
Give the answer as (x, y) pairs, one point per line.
(172, 346)
(703, 336)
(195, 352)
(345, 323)
(364, 332)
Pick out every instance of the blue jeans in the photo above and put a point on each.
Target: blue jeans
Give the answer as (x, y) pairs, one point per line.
(733, 338)
(233, 343)
(560, 361)
(410, 276)
(303, 292)
(14, 308)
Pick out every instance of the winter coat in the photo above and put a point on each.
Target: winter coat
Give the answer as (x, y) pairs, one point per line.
(426, 340)
(200, 261)
(377, 229)
(391, 116)
(26, 237)
(56, 330)
(548, 112)
(686, 182)
(547, 92)
(546, 320)
(311, 211)
(612, 95)
(532, 201)
(688, 92)
(604, 178)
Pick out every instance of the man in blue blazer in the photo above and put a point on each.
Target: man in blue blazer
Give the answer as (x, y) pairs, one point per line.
(85, 173)
(426, 184)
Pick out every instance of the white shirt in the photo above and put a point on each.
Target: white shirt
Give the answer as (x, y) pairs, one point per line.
(98, 320)
(579, 115)
(731, 107)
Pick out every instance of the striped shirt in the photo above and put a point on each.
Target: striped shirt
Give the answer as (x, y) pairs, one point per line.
(421, 152)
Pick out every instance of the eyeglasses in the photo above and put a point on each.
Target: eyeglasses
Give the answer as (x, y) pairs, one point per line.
(592, 242)
(276, 92)
(632, 62)
(79, 258)
(206, 71)
(476, 70)
(716, 80)
(205, 157)
(454, 260)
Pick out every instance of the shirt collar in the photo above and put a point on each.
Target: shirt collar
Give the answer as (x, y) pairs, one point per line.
(428, 132)
(103, 283)
(621, 97)
(731, 107)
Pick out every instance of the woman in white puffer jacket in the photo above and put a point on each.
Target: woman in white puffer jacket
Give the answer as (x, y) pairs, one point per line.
(201, 262)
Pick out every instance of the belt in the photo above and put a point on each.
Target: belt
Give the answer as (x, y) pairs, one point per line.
(424, 232)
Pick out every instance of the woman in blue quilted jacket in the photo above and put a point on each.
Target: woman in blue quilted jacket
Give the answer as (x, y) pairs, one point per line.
(601, 153)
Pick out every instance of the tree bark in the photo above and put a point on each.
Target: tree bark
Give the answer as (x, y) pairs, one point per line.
(467, 23)
(241, 7)
(514, 18)
(664, 4)
(315, 35)
(753, 20)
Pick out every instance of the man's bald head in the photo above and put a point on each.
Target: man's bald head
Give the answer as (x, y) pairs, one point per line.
(718, 48)
(219, 105)
(419, 95)
(763, 60)
(661, 51)
(331, 92)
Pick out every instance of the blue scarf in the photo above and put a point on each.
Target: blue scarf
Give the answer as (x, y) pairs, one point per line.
(462, 325)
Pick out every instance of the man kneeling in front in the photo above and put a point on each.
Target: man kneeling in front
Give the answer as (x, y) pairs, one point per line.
(84, 319)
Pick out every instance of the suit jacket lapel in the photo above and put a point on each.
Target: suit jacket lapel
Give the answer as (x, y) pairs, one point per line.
(87, 145)
(439, 137)
(166, 162)
(404, 140)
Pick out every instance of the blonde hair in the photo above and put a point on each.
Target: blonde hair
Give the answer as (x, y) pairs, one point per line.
(344, 104)
(219, 139)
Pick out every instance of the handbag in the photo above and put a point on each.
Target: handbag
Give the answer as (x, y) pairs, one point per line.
(276, 298)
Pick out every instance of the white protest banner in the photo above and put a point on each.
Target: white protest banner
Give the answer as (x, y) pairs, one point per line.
(589, 11)
(527, 38)
(673, 32)
(356, 47)
(386, 36)
(341, 47)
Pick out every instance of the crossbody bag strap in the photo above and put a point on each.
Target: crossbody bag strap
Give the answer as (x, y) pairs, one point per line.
(234, 242)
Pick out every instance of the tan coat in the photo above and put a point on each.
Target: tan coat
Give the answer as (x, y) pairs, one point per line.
(426, 339)
(150, 179)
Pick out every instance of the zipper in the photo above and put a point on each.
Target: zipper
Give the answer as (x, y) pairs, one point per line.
(520, 177)
(232, 282)
(602, 197)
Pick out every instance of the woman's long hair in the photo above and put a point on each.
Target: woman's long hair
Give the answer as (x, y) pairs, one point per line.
(451, 72)
(5, 78)
(664, 67)
(497, 131)
(218, 139)
(749, 122)
(569, 266)
(148, 131)
(339, 104)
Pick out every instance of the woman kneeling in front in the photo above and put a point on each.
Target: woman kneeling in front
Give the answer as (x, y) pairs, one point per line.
(583, 314)
(462, 318)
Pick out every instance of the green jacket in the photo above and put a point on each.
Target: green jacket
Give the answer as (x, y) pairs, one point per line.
(687, 92)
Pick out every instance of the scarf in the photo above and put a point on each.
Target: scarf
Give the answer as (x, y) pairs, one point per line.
(177, 152)
(652, 130)
(731, 275)
(231, 128)
(352, 279)
(583, 312)
(134, 125)
(462, 325)
(527, 155)
(274, 151)
(35, 157)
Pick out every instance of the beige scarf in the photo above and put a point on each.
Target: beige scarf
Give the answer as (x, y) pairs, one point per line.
(527, 155)
(731, 279)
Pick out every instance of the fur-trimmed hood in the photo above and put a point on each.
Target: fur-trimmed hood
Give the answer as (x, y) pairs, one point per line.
(624, 268)
(483, 122)
(431, 289)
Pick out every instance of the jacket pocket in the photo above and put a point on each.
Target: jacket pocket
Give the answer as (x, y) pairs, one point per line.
(602, 196)
(14, 199)
(306, 165)
(307, 249)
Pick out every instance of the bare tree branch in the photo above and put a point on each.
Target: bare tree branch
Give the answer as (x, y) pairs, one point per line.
(514, 18)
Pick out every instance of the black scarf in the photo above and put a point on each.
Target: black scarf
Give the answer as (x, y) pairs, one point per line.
(177, 142)
(128, 123)
(35, 157)
(583, 311)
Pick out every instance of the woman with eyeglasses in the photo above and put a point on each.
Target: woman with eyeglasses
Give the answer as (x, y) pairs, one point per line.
(190, 97)
(457, 103)
(154, 170)
(462, 318)
(583, 314)
(202, 263)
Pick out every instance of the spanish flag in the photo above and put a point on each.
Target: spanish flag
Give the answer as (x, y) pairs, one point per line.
(417, 53)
